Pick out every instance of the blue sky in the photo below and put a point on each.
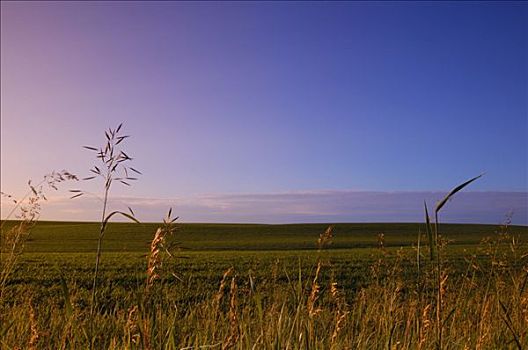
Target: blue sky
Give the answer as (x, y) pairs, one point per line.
(265, 97)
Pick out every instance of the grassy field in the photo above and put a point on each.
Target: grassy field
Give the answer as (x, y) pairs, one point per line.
(82, 237)
(268, 286)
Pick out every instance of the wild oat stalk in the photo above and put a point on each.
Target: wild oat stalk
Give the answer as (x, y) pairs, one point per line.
(27, 211)
(158, 246)
(35, 193)
(313, 310)
(341, 313)
(234, 333)
(112, 169)
(325, 238)
(131, 330)
(221, 290)
(33, 324)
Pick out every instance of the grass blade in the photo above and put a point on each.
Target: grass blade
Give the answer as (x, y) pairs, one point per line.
(418, 251)
(508, 321)
(429, 231)
(126, 215)
(65, 293)
(453, 191)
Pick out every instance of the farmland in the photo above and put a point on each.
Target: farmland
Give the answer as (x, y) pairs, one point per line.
(267, 286)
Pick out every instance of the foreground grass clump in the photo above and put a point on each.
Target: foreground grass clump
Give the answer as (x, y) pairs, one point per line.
(370, 297)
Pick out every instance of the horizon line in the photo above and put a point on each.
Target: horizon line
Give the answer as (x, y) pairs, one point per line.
(268, 224)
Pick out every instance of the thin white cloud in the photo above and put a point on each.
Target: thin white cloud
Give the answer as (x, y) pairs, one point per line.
(305, 206)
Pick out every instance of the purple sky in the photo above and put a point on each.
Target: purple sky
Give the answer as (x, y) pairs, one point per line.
(273, 112)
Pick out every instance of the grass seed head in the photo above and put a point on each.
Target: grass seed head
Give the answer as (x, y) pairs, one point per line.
(325, 238)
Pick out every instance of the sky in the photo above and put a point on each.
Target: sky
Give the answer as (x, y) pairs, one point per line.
(272, 111)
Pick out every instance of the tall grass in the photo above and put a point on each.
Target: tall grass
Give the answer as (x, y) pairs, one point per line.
(486, 308)
(435, 247)
(160, 247)
(112, 168)
(408, 302)
(26, 210)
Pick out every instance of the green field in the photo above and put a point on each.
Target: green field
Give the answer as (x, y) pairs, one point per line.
(52, 237)
(207, 250)
(274, 266)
